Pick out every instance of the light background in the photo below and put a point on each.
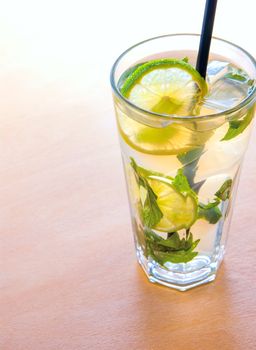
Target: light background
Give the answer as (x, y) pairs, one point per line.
(63, 205)
(79, 40)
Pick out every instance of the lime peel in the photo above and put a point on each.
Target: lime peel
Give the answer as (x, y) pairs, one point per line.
(149, 66)
(165, 86)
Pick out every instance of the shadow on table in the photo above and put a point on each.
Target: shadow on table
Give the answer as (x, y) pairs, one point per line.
(202, 317)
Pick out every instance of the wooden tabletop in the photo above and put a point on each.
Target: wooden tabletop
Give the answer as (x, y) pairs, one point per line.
(68, 274)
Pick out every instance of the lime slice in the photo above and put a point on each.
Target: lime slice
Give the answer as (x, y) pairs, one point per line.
(165, 86)
(170, 140)
(179, 211)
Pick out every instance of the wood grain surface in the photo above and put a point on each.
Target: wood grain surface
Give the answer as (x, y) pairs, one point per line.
(68, 274)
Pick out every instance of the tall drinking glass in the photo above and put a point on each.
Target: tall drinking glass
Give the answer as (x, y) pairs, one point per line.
(182, 172)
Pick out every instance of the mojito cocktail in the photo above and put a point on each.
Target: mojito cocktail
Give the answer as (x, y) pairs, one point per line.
(182, 140)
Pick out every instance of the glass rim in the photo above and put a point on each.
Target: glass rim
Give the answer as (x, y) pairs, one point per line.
(228, 111)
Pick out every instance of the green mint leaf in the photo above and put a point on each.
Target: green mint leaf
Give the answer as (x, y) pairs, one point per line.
(190, 156)
(190, 161)
(239, 75)
(250, 82)
(152, 237)
(190, 244)
(145, 172)
(185, 59)
(210, 205)
(173, 249)
(176, 257)
(175, 243)
(236, 127)
(150, 210)
(172, 242)
(210, 212)
(151, 213)
(189, 241)
(181, 184)
(224, 192)
(236, 76)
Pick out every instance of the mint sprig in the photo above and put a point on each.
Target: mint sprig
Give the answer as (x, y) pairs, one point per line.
(181, 184)
(190, 160)
(224, 192)
(185, 59)
(173, 249)
(210, 212)
(151, 213)
(236, 127)
(240, 76)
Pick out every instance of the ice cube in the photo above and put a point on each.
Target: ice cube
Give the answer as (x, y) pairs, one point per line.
(216, 70)
(228, 86)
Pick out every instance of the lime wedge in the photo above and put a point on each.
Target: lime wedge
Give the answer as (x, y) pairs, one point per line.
(166, 86)
(179, 211)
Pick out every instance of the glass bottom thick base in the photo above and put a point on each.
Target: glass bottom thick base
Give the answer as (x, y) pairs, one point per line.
(181, 276)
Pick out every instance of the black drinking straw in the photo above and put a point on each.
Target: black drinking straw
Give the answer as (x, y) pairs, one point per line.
(206, 36)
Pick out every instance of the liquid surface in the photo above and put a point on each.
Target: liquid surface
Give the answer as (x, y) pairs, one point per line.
(228, 85)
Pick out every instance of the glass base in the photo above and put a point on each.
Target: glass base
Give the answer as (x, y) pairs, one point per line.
(181, 276)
